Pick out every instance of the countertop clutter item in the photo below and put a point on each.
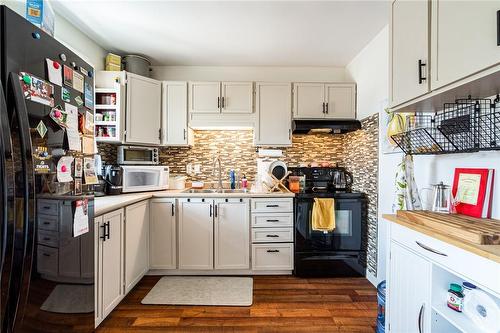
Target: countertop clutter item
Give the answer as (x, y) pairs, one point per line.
(197, 184)
(441, 198)
(177, 182)
(137, 155)
(113, 62)
(137, 64)
(113, 176)
(381, 290)
(473, 191)
(469, 229)
(140, 178)
(455, 300)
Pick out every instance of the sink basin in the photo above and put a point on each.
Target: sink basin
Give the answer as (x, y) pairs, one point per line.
(213, 190)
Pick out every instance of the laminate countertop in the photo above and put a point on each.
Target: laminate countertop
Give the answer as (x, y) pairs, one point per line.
(103, 205)
(491, 252)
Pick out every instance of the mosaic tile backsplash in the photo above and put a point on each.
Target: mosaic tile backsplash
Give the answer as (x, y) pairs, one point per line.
(357, 151)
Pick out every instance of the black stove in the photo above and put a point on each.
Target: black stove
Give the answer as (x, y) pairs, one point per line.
(341, 252)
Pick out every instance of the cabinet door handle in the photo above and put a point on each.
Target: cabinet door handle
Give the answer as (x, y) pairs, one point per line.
(421, 319)
(272, 236)
(103, 237)
(326, 109)
(421, 65)
(218, 102)
(323, 107)
(425, 247)
(108, 234)
(173, 210)
(216, 211)
(273, 251)
(210, 210)
(223, 102)
(498, 28)
(184, 134)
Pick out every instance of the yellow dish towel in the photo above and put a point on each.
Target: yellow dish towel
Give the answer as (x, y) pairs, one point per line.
(323, 215)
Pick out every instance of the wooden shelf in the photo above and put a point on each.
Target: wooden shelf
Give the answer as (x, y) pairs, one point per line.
(106, 123)
(105, 106)
(107, 139)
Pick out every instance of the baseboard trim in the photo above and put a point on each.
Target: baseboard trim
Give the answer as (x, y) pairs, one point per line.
(214, 272)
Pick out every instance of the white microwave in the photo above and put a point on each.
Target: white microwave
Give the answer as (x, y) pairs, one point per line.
(136, 155)
(144, 178)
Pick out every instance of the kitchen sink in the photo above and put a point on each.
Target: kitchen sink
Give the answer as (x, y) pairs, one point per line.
(213, 190)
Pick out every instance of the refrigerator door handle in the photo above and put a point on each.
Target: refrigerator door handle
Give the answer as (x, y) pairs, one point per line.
(19, 297)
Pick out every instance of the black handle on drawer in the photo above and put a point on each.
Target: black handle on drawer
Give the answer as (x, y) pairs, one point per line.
(272, 220)
(272, 236)
(47, 238)
(271, 206)
(46, 223)
(173, 210)
(273, 251)
(216, 211)
(46, 207)
(425, 247)
(46, 255)
(210, 210)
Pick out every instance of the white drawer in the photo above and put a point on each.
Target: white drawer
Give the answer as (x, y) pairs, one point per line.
(471, 266)
(272, 220)
(47, 260)
(49, 238)
(272, 235)
(272, 256)
(48, 207)
(272, 205)
(48, 222)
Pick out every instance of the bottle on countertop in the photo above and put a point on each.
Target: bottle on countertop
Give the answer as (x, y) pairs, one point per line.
(244, 182)
(232, 179)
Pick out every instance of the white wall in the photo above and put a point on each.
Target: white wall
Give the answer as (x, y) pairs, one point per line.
(70, 36)
(235, 73)
(369, 70)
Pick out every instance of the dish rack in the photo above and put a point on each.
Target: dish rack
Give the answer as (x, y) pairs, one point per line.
(468, 125)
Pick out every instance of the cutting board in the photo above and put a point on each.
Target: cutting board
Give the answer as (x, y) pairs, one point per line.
(470, 229)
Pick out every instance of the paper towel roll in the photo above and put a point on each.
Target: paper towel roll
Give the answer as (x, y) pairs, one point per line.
(482, 310)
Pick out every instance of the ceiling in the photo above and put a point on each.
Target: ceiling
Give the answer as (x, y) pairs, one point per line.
(231, 33)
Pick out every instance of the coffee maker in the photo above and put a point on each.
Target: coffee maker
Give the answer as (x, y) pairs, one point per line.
(113, 176)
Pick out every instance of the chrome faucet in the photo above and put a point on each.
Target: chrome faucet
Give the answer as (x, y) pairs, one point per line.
(217, 160)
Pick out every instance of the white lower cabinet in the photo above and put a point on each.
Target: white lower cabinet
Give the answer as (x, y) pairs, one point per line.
(196, 234)
(409, 289)
(232, 233)
(272, 256)
(162, 234)
(136, 243)
(109, 263)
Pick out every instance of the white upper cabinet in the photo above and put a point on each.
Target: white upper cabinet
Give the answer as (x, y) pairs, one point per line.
(232, 234)
(136, 243)
(464, 39)
(143, 118)
(162, 235)
(340, 101)
(324, 101)
(409, 50)
(309, 100)
(175, 131)
(196, 234)
(237, 97)
(204, 97)
(273, 108)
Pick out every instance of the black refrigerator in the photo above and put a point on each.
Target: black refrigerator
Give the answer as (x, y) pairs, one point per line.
(47, 259)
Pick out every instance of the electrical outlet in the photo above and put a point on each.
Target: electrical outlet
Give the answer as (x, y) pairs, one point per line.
(189, 168)
(197, 168)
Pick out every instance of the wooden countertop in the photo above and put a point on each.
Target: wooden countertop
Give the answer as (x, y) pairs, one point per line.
(491, 252)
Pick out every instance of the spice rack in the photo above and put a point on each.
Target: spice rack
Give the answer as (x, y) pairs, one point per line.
(107, 117)
(468, 125)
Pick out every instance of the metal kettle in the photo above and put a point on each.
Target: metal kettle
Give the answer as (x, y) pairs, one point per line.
(441, 198)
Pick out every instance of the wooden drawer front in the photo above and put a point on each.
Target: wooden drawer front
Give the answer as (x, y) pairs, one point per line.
(272, 220)
(48, 207)
(272, 235)
(477, 269)
(272, 256)
(272, 205)
(49, 238)
(47, 260)
(48, 222)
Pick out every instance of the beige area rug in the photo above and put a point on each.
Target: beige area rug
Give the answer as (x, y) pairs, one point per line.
(70, 298)
(196, 290)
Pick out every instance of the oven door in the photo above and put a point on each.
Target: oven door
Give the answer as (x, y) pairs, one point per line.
(350, 221)
(142, 178)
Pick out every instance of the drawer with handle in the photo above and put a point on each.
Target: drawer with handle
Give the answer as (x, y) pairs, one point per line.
(262, 205)
(48, 222)
(272, 235)
(47, 260)
(272, 256)
(48, 238)
(466, 263)
(272, 220)
(48, 207)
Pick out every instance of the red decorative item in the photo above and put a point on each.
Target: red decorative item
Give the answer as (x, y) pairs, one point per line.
(63, 168)
(480, 208)
(56, 64)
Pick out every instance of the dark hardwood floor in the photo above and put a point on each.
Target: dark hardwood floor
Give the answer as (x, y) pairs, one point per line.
(280, 304)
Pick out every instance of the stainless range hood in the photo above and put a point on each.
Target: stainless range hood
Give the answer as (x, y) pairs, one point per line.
(325, 126)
